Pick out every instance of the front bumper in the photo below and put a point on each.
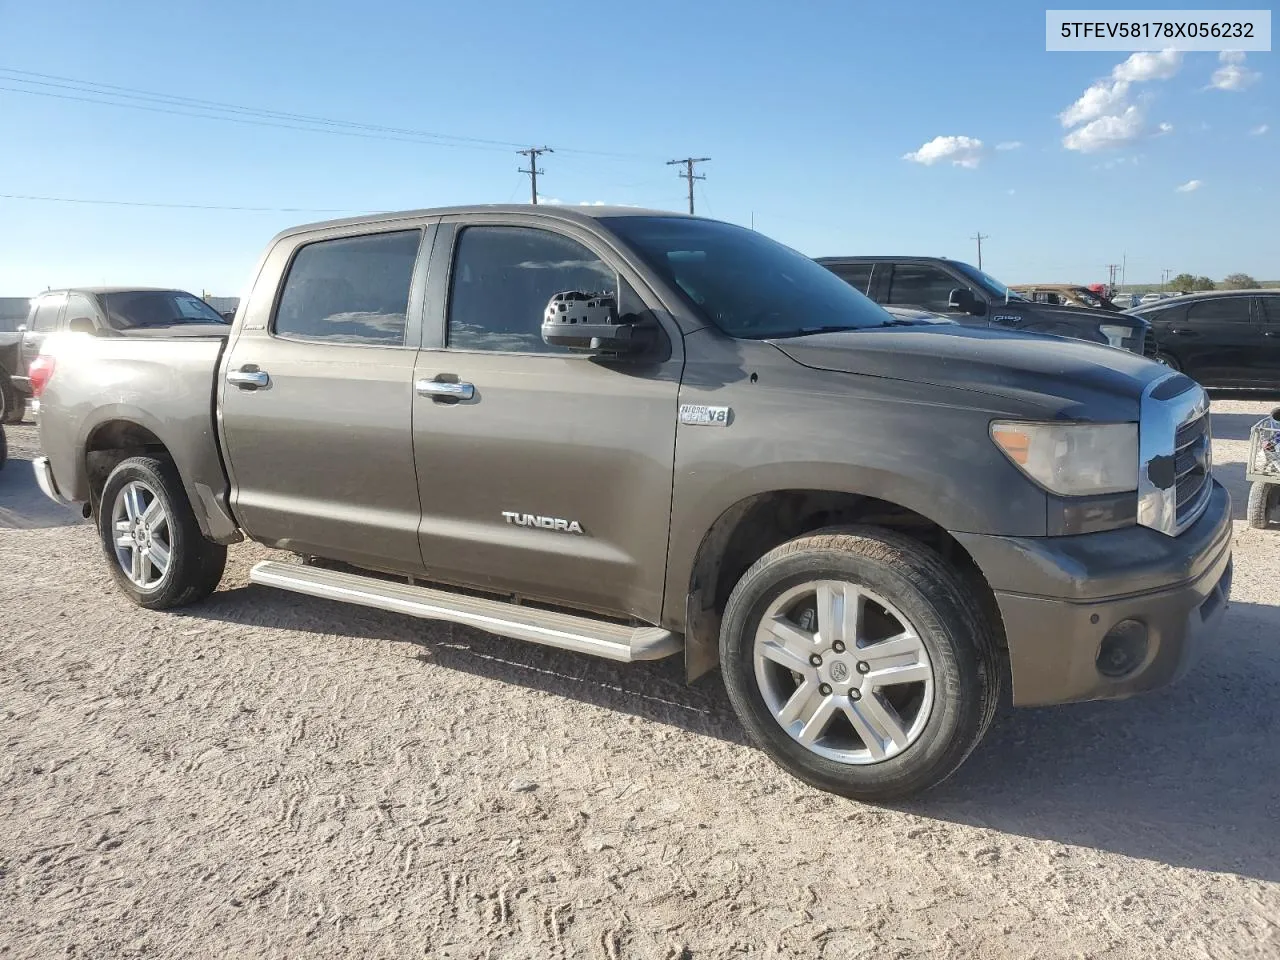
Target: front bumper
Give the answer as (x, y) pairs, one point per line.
(44, 478)
(1059, 596)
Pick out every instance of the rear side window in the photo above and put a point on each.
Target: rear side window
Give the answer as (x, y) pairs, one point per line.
(1226, 310)
(503, 278)
(350, 290)
(1271, 307)
(857, 275)
(920, 285)
(44, 319)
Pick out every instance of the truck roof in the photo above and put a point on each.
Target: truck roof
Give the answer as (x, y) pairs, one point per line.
(578, 213)
(878, 257)
(98, 291)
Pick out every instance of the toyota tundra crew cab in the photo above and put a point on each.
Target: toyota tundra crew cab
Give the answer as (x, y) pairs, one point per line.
(636, 435)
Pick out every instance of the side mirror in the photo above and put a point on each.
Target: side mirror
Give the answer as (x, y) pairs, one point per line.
(586, 322)
(962, 299)
(82, 325)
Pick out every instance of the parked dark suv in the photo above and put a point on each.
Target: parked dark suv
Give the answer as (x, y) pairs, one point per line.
(966, 295)
(1227, 338)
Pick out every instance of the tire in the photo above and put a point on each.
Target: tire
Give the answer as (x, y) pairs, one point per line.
(4, 448)
(1168, 361)
(1264, 504)
(193, 564)
(13, 405)
(900, 579)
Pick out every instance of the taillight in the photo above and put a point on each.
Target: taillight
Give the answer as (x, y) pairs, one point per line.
(40, 373)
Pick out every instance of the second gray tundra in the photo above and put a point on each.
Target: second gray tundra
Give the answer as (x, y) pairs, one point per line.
(634, 434)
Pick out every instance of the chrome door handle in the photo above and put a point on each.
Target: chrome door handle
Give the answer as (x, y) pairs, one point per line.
(445, 390)
(248, 379)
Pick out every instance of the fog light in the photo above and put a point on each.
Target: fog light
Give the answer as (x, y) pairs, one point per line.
(1123, 649)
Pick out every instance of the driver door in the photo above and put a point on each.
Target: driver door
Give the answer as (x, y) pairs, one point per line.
(543, 473)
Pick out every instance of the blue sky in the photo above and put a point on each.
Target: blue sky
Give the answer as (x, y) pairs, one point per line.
(808, 110)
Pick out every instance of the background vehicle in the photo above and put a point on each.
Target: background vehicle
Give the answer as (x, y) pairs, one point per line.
(967, 295)
(1066, 295)
(629, 433)
(4, 447)
(13, 314)
(106, 312)
(1221, 338)
(1149, 298)
(1262, 470)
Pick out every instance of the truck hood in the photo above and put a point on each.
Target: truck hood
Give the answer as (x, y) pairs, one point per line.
(1059, 312)
(1055, 377)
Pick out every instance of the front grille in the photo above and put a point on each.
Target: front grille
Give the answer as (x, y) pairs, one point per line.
(1175, 459)
(1191, 466)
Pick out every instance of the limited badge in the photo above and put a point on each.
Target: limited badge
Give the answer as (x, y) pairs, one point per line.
(696, 415)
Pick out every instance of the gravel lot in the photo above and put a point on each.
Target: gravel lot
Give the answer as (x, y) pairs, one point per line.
(266, 775)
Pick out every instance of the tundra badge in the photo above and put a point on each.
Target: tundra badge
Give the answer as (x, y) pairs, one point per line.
(546, 523)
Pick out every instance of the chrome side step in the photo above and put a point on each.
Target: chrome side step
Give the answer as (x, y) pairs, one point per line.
(582, 634)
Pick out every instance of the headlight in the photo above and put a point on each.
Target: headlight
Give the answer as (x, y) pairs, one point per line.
(1115, 334)
(1073, 459)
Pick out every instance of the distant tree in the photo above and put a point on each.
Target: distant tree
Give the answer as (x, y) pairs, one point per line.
(1184, 282)
(1202, 283)
(1240, 281)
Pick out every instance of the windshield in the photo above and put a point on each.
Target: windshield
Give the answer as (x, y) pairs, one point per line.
(986, 281)
(746, 284)
(135, 309)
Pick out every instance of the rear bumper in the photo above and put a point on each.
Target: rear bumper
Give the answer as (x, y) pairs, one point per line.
(1059, 597)
(44, 478)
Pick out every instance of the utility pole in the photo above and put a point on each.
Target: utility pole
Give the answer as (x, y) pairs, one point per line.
(1111, 278)
(533, 153)
(688, 173)
(980, 236)
(1165, 274)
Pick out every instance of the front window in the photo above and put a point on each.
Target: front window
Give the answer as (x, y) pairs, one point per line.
(136, 309)
(744, 283)
(988, 283)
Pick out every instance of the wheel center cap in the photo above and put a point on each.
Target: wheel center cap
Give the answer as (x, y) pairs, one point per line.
(839, 671)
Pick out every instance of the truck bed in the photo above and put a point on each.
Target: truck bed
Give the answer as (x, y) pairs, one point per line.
(162, 386)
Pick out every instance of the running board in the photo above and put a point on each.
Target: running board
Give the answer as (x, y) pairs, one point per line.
(568, 632)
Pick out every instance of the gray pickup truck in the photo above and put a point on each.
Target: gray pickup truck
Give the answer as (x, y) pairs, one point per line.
(635, 434)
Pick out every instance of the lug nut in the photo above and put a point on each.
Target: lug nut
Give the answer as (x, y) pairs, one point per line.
(855, 694)
(825, 689)
(815, 659)
(838, 646)
(863, 667)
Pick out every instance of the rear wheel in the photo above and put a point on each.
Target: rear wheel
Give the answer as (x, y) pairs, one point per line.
(1264, 505)
(860, 662)
(154, 548)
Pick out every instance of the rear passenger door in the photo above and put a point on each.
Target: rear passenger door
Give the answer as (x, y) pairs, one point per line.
(544, 473)
(1267, 311)
(317, 397)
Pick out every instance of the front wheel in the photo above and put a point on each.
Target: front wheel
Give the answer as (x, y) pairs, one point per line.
(13, 405)
(1168, 360)
(154, 548)
(860, 662)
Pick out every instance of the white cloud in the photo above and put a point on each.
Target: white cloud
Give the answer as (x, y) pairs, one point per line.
(1259, 130)
(1107, 131)
(1103, 116)
(1189, 187)
(1233, 75)
(1009, 145)
(961, 151)
(1142, 67)
(1094, 102)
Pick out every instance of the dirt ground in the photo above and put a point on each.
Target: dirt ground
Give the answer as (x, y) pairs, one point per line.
(266, 775)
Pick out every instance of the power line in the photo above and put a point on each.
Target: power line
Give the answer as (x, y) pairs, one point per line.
(533, 153)
(688, 174)
(114, 95)
(980, 236)
(177, 206)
